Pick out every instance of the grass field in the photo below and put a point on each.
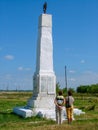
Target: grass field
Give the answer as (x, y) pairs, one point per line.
(10, 121)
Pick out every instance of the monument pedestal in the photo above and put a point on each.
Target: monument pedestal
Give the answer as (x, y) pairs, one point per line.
(43, 106)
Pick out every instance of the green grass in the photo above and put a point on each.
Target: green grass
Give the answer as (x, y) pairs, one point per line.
(11, 121)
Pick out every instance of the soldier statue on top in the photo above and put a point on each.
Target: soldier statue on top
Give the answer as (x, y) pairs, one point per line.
(45, 7)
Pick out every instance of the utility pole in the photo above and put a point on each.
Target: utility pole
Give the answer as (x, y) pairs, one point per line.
(65, 78)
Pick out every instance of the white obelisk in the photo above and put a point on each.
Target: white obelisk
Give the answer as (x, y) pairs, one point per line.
(44, 79)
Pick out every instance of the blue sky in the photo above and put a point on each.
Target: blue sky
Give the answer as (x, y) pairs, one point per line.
(75, 41)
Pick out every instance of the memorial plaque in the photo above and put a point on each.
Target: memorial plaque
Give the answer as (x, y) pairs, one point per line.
(43, 84)
(50, 84)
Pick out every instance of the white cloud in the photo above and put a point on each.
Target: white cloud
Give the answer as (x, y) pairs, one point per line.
(82, 61)
(72, 71)
(9, 57)
(72, 79)
(20, 68)
(25, 69)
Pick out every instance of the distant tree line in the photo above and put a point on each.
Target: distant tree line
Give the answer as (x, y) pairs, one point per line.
(88, 88)
(81, 89)
(1, 90)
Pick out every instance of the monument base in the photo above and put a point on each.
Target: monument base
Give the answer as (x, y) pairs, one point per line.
(27, 112)
(23, 111)
(42, 105)
(49, 114)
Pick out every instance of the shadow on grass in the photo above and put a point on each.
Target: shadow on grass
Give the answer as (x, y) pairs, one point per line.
(12, 117)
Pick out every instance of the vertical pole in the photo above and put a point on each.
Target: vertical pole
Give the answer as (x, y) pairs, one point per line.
(65, 79)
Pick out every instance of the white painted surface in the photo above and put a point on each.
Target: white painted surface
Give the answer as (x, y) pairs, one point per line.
(49, 114)
(44, 62)
(44, 79)
(21, 111)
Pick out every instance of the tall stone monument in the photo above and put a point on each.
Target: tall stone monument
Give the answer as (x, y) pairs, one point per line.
(44, 79)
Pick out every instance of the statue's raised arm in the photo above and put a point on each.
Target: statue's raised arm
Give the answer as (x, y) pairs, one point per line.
(45, 7)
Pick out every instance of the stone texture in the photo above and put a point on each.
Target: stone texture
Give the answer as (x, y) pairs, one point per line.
(49, 114)
(44, 62)
(44, 79)
(22, 111)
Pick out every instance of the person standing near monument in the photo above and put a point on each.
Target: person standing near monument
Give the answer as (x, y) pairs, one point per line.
(69, 106)
(59, 102)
